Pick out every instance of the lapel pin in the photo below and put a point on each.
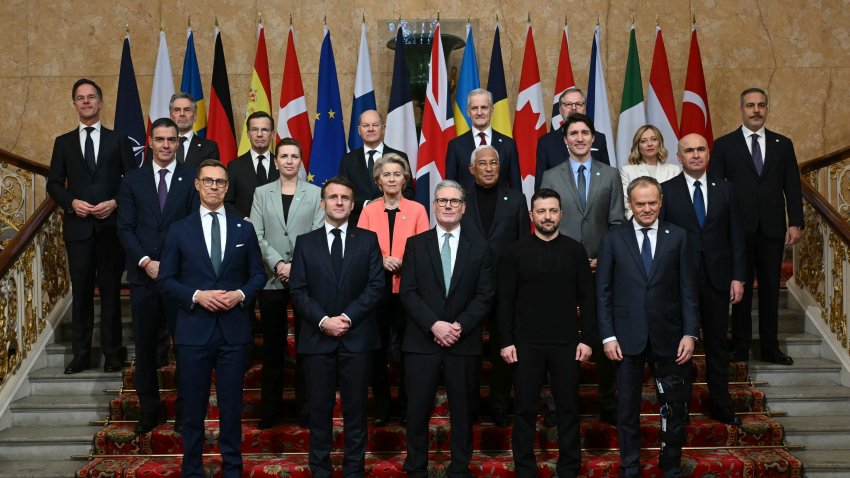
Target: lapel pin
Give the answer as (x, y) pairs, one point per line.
(506, 198)
(713, 184)
(179, 178)
(297, 199)
(239, 224)
(597, 173)
(404, 217)
(666, 231)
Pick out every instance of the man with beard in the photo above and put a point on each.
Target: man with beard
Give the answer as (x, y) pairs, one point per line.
(541, 279)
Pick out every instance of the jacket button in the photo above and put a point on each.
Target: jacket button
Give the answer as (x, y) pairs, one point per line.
(286, 234)
(287, 253)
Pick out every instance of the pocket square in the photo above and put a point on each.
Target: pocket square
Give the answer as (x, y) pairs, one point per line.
(239, 245)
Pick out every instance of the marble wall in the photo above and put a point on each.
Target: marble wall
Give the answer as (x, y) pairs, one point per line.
(799, 52)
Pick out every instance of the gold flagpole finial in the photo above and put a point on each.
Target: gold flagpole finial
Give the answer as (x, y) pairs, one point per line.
(497, 18)
(695, 19)
(325, 20)
(216, 21)
(161, 28)
(656, 21)
(528, 18)
(363, 18)
(259, 18)
(597, 20)
(565, 21)
(438, 15)
(290, 19)
(633, 18)
(127, 27)
(189, 21)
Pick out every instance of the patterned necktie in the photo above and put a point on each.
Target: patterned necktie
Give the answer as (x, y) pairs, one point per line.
(370, 163)
(699, 204)
(646, 251)
(582, 187)
(483, 137)
(446, 259)
(758, 160)
(162, 189)
(262, 177)
(336, 251)
(181, 152)
(88, 153)
(215, 243)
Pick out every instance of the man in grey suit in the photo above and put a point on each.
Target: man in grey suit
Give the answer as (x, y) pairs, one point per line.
(592, 200)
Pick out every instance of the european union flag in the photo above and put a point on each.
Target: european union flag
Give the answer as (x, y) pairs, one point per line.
(329, 137)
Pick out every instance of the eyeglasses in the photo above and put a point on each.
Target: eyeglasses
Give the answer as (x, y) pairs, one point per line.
(260, 130)
(208, 182)
(573, 106)
(442, 202)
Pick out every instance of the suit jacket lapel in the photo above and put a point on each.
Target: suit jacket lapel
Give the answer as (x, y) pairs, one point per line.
(149, 190)
(629, 238)
(769, 143)
(661, 241)
(105, 146)
(351, 238)
(569, 178)
(711, 196)
(177, 184)
(275, 202)
(594, 176)
(300, 190)
(687, 200)
(198, 231)
(434, 253)
(234, 235)
(460, 261)
(744, 150)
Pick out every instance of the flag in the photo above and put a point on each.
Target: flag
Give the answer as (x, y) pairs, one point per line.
(632, 108)
(401, 124)
(467, 81)
(191, 83)
(437, 126)
(530, 118)
(330, 133)
(129, 120)
(364, 91)
(292, 118)
(564, 79)
(501, 119)
(696, 117)
(163, 84)
(259, 96)
(597, 97)
(660, 107)
(220, 125)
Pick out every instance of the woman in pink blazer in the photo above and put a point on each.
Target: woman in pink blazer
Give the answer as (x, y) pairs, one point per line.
(394, 219)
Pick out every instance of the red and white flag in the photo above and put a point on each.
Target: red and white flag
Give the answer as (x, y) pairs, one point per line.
(438, 127)
(696, 117)
(564, 79)
(163, 84)
(530, 117)
(660, 107)
(292, 118)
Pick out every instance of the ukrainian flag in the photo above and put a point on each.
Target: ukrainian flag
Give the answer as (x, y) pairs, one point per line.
(467, 81)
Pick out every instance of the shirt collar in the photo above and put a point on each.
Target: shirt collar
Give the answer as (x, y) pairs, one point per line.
(748, 133)
(96, 126)
(205, 211)
(379, 148)
(638, 227)
(171, 167)
(329, 227)
(690, 180)
(488, 131)
(254, 154)
(442, 232)
(189, 135)
(574, 165)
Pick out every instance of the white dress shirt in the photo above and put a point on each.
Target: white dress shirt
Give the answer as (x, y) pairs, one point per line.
(762, 141)
(206, 225)
(379, 151)
(703, 186)
(330, 227)
(189, 135)
(488, 135)
(453, 241)
(267, 162)
(95, 137)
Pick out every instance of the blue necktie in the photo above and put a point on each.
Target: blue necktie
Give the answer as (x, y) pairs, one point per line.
(646, 251)
(582, 187)
(446, 259)
(699, 204)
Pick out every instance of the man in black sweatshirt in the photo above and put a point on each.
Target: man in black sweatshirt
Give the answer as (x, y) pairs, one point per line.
(542, 280)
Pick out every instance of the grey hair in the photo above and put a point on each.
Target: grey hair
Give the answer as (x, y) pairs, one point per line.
(183, 96)
(477, 150)
(448, 183)
(479, 91)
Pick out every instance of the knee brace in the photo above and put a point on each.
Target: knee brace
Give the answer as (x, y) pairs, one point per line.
(672, 390)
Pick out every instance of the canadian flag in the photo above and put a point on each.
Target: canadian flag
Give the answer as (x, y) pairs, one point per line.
(696, 117)
(530, 119)
(292, 118)
(564, 79)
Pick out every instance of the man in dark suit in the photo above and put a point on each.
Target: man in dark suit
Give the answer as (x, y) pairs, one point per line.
(358, 165)
(706, 209)
(336, 282)
(151, 199)
(479, 107)
(592, 200)
(542, 278)
(85, 176)
(763, 168)
(192, 148)
(211, 265)
(552, 146)
(254, 168)
(647, 309)
(498, 216)
(447, 290)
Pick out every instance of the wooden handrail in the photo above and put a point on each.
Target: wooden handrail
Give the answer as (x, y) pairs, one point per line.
(818, 201)
(825, 160)
(18, 244)
(23, 163)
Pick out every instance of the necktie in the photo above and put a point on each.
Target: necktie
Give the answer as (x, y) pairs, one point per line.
(582, 187)
(215, 243)
(88, 153)
(181, 152)
(446, 259)
(483, 139)
(699, 204)
(162, 189)
(262, 177)
(370, 163)
(336, 251)
(758, 161)
(646, 251)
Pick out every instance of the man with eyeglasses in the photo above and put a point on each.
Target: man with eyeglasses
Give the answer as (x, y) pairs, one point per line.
(552, 146)
(85, 176)
(212, 266)
(254, 168)
(446, 289)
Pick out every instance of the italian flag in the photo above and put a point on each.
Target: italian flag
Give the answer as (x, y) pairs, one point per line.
(632, 111)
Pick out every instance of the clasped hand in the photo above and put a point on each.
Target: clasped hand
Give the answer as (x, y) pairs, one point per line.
(446, 334)
(218, 300)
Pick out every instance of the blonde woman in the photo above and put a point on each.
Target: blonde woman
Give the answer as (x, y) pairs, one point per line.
(648, 158)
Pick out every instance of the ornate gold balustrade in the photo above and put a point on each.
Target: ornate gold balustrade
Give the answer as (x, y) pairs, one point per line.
(822, 259)
(33, 266)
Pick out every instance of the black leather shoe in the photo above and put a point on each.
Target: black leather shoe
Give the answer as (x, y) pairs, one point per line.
(77, 365)
(777, 357)
(113, 364)
(725, 415)
(267, 422)
(609, 417)
(178, 423)
(146, 424)
(500, 418)
(380, 421)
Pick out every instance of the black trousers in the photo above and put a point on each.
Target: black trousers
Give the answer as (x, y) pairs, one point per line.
(501, 375)
(459, 372)
(714, 311)
(352, 370)
(96, 260)
(535, 360)
(391, 324)
(152, 312)
(764, 260)
(273, 324)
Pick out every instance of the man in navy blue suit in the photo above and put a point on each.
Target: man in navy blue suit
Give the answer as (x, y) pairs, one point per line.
(647, 308)
(151, 199)
(336, 282)
(211, 265)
